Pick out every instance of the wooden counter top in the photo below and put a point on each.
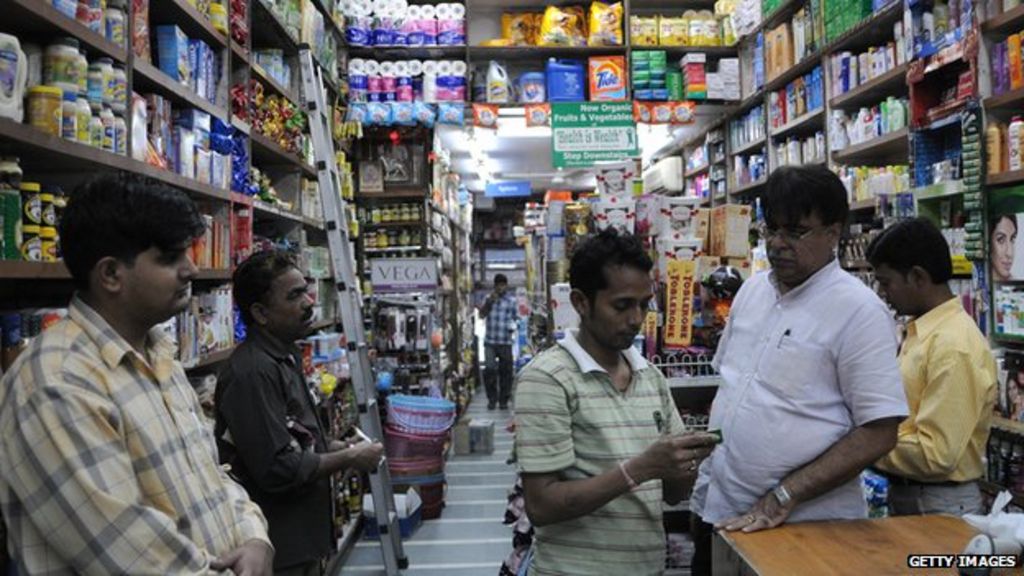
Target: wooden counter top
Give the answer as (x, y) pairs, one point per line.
(857, 547)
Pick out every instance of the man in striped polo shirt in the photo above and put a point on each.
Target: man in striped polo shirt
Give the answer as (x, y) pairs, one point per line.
(599, 441)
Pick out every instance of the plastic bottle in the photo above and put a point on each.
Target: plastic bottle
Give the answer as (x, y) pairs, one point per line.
(60, 64)
(84, 114)
(115, 21)
(106, 66)
(96, 131)
(82, 71)
(120, 135)
(107, 118)
(96, 86)
(497, 83)
(69, 117)
(994, 148)
(119, 100)
(1016, 132)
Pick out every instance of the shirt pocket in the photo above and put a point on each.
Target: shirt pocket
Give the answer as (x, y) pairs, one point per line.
(789, 367)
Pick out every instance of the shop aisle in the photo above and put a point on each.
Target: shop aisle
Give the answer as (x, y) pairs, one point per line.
(469, 538)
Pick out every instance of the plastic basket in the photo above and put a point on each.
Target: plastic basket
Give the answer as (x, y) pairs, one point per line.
(420, 414)
(408, 446)
(415, 466)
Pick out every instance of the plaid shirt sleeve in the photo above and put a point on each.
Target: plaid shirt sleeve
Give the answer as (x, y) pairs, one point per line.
(86, 503)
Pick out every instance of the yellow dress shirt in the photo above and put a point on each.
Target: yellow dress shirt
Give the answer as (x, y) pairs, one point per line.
(949, 376)
(107, 467)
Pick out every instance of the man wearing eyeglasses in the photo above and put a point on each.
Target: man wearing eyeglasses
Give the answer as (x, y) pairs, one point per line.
(811, 391)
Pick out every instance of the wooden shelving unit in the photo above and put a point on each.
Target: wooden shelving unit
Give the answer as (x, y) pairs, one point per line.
(891, 83)
(149, 78)
(1005, 178)
(39, 16)
(810, 121)
(891, 148)
(1014, 99)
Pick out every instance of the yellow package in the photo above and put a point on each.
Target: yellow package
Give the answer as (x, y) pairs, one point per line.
(562, 27)
(516, 28)
(673, 31)
(643, 30)
(605, 24)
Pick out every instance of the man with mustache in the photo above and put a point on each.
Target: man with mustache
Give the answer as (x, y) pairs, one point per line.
(267, 425)
(811, 391)
(107, 465)
(599, 441)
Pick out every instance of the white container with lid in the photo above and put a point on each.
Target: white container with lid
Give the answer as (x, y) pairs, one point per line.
(106, 66)
(84, 114)
(69, 117)
(119, 99)
(107, 118)
(13, 76)
(61, 65)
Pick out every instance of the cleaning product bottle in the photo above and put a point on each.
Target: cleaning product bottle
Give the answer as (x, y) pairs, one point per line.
(994, 148)
(497, 84)
(13, 75)
(1014, 145)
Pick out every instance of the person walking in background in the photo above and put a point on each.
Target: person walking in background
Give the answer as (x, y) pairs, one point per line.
(108, 468)
(267, 426)
(948, 372)
(500, 311)
(599, 442)
(811, 393)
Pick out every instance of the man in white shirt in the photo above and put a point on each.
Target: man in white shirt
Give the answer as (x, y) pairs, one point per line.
(811, 391)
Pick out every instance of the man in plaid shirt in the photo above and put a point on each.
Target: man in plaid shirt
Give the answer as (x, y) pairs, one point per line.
(108, 467)
(500, 311)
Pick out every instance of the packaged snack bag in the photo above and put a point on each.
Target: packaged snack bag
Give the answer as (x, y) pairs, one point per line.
(605, 24)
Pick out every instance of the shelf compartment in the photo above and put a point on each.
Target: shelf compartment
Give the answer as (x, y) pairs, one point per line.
(891, 148)
(1011, 339)
(749, 187)
(210, 359)
(674, 53)
(149, 78)
(264, 209)
(1013, 99)
(802, 67)
(807, 122)
(407, 52)
(191, 21)
(260, 74)
(241, 54)
(748, 147)
(874, 30)
(266, 152)
(268, 32)
(940, 190)
(892, 83)
(1005, 178)
(520, 53)
(1005, 23)
(29, 17)
(40, 152)
(697, 171)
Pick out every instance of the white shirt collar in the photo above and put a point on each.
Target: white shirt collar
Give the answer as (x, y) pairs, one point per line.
(826, 271)
(587, 363)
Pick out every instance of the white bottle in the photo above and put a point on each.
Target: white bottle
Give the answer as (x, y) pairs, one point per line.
(1016, 131)
(497, 83)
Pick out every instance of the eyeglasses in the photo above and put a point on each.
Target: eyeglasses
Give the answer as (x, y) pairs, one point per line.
(789, 236)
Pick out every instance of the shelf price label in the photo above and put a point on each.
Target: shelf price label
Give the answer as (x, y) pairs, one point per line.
(583, 133)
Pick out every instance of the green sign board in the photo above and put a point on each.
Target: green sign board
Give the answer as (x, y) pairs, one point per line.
(583, 133)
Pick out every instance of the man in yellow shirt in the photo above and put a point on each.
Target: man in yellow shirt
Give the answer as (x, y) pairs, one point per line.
(948, 372)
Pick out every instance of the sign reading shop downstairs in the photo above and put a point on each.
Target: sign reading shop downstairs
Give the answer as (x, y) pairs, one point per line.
(401, 274)
(583, 133)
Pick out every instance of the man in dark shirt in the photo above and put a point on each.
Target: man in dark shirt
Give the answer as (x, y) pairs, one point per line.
(267, 425)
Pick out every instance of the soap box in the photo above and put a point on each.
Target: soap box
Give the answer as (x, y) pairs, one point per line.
(607, 78)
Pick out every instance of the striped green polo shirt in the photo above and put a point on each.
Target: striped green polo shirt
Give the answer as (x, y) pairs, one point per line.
(570, 418)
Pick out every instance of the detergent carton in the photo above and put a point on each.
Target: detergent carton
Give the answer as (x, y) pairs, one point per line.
(607, 78)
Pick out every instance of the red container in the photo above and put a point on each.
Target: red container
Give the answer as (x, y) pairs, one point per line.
(403, 445)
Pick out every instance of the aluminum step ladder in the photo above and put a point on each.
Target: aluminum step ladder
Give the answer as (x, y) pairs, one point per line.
(350, 303)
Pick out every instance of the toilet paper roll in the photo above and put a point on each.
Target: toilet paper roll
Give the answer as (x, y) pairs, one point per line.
(379, 6)
(387, 69)
(401, 6)
(444, 68)
(459, 68)
(413, 12)
(430, 67)
(372, 68)
(402, 69)
(357, 66)
(415, 68)
(444, 11)
(458, 11)
(428, 12)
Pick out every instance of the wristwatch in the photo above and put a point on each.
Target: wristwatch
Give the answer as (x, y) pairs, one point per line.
(782, 495)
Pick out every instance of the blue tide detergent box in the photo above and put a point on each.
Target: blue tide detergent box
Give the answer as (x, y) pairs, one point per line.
(607, 78)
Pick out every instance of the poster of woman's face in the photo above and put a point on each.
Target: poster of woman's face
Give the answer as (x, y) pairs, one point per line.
(1003, 239)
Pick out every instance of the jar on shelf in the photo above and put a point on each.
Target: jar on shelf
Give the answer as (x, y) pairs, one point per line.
(107, 118)
(60, 64)
(119, 90)
(48, 244)
(83, 113)
(90, 14)
(69, 117)
(31, 243)
(376, 216)
(404, 237)
(96, 131)
(382, 239)
(44, 108)
(114, 22)
(82, 71)
(393, 238)
(120, 135)
(109, 87)
(96, 84)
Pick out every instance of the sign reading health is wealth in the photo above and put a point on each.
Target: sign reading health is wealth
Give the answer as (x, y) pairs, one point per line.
(583, 133)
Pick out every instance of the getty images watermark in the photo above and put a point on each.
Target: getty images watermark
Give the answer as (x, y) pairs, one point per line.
(963, 561)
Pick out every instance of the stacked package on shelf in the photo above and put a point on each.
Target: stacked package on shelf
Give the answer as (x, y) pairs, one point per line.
(680, 228)
(205, 326)
(725, 83)
(841, 15)
(695, 83)
(213, 249)
(188, 61)
(649, 75)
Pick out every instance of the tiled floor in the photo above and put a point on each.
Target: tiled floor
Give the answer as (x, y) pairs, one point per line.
(469, 538)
